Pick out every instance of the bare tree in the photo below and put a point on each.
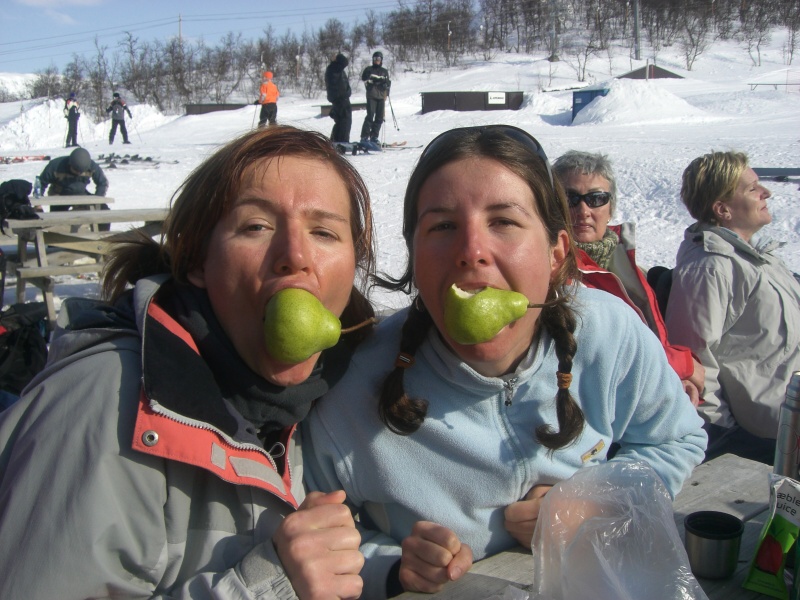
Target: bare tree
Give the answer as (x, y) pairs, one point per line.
(579, 49)
(694, 37)
(371, 29)
(757, 20)
(47, 84)
(790, 18)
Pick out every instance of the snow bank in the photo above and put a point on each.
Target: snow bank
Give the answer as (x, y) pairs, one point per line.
(637, 102)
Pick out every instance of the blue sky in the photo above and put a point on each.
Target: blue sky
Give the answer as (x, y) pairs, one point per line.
(38, 33)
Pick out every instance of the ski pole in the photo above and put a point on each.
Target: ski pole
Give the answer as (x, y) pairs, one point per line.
(391, 108)
(136, 129)
(253, 124)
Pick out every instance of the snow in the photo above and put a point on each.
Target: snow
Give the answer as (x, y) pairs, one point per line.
(650, 129)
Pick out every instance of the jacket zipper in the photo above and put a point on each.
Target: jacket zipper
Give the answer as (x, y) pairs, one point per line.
(164, 412)
(509, 390)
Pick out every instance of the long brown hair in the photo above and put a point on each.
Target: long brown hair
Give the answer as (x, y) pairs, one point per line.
(403, 414)
(209, 193)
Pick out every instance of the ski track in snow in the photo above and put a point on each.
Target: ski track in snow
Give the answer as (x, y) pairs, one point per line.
(650, 130)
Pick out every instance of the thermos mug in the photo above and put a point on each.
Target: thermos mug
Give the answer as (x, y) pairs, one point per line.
(787, 447)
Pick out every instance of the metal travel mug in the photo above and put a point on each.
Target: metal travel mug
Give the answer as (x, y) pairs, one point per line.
(787, 447)
(712, 543)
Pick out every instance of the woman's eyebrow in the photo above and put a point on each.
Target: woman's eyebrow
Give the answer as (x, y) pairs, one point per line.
(315, 213)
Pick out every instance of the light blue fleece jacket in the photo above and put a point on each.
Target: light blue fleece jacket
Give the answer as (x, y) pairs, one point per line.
(476, 452)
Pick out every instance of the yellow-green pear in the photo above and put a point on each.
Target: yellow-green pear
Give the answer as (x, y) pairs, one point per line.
(297, 326)
(476, 316)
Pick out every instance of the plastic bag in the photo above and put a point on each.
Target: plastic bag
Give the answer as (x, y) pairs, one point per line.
(608, 533)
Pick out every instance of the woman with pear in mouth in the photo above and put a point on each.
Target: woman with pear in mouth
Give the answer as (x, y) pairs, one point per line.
(157, 454)
(451, 425)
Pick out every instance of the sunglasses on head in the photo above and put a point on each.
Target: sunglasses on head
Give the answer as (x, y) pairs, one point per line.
(514, 133)
(592, 199)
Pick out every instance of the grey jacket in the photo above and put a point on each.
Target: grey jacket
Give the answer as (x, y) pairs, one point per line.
(738, 308)
(106, 491)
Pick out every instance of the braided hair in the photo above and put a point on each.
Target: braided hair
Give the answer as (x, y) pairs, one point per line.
(398, 411)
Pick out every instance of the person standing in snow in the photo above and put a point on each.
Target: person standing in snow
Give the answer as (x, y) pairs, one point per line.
(268, 99)
(117, 109)
(338, 90)
(72, 112)
(376, 81)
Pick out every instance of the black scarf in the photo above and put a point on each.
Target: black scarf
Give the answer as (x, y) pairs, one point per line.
(268, 407)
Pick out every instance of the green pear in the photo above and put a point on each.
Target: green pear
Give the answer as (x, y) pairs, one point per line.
(297, 326)
(476, 316)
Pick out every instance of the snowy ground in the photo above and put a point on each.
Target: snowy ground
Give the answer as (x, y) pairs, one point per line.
(651, 130)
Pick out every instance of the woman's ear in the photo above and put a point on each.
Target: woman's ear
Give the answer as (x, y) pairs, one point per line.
(559, 251)
(197, 277)
(721, 211)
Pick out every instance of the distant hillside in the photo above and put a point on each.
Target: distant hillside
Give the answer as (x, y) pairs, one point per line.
(14, 86)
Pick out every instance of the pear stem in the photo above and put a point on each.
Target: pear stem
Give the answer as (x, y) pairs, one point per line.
(370, 321)
(545, 304)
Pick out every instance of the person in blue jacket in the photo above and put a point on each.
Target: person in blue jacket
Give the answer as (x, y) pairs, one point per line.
(445, 443)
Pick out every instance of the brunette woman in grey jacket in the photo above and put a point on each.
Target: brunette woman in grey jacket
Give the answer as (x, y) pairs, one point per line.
(157, 455)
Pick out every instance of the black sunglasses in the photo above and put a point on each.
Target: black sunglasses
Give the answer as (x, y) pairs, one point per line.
(515, 133)
(592, 199)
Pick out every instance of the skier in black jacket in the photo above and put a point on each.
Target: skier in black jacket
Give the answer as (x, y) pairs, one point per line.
(376, 80)
(72, 112)
(338, 88)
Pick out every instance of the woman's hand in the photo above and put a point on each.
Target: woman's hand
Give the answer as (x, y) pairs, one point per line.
(521, 516)
(432, 556)
(698, 376)
(318, 546)
(691, 391)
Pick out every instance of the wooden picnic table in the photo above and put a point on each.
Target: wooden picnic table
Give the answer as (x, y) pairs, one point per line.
(730, 484)
(72, 234)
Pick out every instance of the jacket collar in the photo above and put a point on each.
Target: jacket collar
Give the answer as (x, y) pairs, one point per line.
(720, 240)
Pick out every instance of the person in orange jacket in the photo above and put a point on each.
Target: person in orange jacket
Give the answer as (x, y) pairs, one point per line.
(268, 99)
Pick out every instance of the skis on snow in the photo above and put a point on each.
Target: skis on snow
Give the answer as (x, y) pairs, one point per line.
(10, 160)
(115, 161)
(355, 148)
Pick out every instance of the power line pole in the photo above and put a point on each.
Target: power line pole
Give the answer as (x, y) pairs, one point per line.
(553, 32)
(637, 31)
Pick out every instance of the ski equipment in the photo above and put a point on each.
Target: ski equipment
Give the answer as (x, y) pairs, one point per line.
(10, 160)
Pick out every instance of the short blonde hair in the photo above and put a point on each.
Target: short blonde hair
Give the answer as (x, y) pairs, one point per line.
(709, 178)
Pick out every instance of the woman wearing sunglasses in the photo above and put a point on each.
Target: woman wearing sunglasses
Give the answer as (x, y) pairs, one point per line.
(445, 444)
(607, 255)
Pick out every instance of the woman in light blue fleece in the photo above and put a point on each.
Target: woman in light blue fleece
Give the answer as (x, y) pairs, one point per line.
(448, 447)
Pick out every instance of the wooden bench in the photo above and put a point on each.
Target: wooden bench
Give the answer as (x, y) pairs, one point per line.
(93, 202)
(781, 174)
(47, 232)
(774, 85)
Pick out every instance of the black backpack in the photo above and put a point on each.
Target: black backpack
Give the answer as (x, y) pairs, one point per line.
(23, 344)
(14, 201)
